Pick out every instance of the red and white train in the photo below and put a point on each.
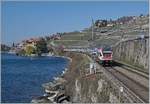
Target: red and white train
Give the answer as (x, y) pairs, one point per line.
(104, 56)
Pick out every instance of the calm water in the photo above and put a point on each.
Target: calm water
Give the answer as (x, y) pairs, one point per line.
(22, 77)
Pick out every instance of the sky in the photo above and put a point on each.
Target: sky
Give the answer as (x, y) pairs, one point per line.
(24, 20)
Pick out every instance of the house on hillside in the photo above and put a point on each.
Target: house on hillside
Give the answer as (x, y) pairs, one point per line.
(110, 24)
(56, 36)
(32, 42)
(101, 23)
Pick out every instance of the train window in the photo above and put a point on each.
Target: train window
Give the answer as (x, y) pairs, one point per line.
(107, 54)
(100, 54)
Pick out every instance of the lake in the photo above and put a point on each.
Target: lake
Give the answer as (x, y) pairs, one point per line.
(22, 77)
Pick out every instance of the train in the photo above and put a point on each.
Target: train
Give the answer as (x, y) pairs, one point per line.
(104, 56)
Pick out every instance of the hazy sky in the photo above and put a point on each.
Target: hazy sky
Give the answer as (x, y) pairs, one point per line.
(23, 20)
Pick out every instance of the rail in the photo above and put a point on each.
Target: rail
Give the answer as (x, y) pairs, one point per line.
(129, 94)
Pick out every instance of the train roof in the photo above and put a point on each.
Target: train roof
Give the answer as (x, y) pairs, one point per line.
(107, 51)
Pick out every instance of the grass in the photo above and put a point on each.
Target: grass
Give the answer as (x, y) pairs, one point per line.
(70, 42)
(106, 41)
(73, 36)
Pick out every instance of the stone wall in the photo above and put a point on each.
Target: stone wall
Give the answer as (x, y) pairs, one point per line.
(134, 52)
(91, 90)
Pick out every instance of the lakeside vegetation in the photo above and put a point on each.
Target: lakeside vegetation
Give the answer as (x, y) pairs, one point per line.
(4, 48)
(35, 48)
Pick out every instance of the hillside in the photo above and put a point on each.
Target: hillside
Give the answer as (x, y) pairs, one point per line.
(136, 27)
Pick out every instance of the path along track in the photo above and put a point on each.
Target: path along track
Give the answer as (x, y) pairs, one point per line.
(136, 89)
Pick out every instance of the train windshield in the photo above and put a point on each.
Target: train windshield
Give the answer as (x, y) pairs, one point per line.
(107, 54)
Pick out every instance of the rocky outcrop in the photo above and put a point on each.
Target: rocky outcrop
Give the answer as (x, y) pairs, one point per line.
(92, 89)
(134, 52)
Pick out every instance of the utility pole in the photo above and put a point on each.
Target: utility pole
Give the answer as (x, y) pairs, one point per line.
(92, 29)
(94, 63)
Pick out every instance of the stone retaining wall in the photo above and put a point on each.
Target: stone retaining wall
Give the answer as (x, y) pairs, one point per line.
(134, 52)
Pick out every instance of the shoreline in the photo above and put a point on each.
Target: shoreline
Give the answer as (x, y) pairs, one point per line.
(70, 59)
(56, 80)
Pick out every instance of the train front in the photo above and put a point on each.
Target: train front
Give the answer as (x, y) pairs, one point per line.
(105, 56)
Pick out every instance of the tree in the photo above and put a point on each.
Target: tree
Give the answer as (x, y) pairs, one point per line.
(13, 45)
(41, 46)
(96, 22)
(141, 15)
(4, 47)
(30, 50)
(47, 38)
(104, 23)
(101, 23)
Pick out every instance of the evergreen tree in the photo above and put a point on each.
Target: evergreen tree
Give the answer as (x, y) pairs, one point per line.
(41, 46)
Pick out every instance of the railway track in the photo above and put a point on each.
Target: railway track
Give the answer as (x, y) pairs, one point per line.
(138, 92)
(136, 76)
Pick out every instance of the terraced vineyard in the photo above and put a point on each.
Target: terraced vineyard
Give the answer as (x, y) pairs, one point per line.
(105, 35)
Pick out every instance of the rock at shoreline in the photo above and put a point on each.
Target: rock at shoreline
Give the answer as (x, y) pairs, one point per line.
(57, 84)
(41, 99)
(60, 80)
(53, 86)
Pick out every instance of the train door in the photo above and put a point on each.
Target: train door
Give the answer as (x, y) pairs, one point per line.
(100, 57)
